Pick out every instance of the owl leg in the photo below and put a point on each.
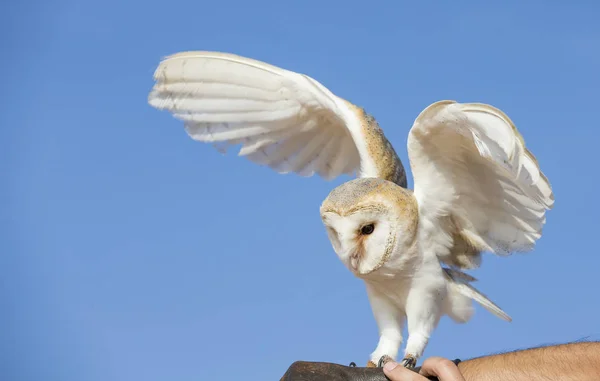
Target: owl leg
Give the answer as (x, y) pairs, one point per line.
(388, 318)
(423, 311)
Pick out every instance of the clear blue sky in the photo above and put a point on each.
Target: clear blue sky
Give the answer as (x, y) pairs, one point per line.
(131, 252)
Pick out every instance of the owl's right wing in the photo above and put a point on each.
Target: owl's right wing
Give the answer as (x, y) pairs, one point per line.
(282, 119)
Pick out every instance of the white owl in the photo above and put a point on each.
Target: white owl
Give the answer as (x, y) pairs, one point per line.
(477, 187)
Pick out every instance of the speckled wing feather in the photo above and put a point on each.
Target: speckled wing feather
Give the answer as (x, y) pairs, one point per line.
(281, 119)
(475, 181)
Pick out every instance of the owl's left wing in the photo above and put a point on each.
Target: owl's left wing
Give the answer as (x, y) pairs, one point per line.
(282, 119)
(478, 187)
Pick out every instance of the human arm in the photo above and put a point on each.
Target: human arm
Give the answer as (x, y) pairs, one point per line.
(565, 362)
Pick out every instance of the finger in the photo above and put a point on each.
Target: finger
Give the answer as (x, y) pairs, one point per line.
(443, 369)
(396, 372)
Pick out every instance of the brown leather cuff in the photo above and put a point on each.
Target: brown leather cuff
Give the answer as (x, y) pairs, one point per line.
(325, 371)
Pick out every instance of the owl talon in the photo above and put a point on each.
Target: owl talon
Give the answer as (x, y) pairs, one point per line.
(409, 362)
(383, 359)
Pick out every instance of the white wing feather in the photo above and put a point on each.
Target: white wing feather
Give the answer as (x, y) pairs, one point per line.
(474, 177)
(284, 120)
(461, 281)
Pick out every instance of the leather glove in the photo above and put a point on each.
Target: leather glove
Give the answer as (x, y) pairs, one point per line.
(324, 371)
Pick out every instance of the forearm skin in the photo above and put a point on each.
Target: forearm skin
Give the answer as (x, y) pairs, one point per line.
(565, 362)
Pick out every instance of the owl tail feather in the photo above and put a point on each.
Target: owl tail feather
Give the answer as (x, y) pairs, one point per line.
(461, 281)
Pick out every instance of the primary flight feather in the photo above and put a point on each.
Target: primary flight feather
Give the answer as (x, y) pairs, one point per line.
(477, 186)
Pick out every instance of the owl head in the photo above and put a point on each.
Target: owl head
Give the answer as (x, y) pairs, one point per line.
(370, 222)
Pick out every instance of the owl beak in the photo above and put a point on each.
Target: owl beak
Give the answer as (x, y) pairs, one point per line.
(354, 262)
(355, 258)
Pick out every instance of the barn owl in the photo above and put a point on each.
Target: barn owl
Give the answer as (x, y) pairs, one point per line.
(477, 188)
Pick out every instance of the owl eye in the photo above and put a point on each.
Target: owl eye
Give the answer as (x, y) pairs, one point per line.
(367, 229)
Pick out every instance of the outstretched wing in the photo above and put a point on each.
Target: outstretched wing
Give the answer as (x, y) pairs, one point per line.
(477, 185)
(282, 119)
